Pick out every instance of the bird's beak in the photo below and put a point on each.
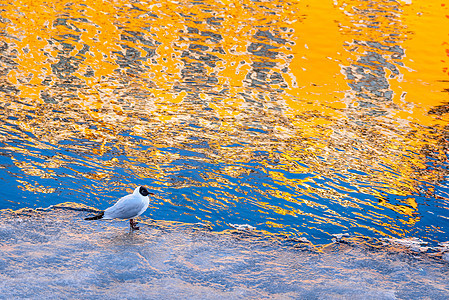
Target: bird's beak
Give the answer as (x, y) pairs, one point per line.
(149, 193)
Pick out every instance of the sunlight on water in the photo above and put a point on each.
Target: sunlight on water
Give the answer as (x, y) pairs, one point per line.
(300, 118)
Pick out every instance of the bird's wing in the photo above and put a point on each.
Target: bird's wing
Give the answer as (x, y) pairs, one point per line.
(127, 207)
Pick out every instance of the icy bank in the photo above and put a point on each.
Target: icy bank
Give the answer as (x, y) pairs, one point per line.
(55, 254)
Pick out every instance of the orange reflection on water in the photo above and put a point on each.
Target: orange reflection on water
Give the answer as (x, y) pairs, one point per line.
(337, 91)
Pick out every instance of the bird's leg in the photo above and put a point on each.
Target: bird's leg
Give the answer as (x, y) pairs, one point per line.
(133, 224)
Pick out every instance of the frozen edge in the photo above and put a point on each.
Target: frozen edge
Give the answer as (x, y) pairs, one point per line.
(414, 245)
(54, 253)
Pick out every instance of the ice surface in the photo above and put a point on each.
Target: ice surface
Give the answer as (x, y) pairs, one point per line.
(56, 254)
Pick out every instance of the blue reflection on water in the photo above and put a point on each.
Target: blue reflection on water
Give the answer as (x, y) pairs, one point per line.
(195, 188)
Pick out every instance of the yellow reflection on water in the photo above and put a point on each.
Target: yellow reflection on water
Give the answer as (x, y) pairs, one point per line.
(330, 87)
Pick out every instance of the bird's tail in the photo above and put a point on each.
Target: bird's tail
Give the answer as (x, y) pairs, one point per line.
(97, 217)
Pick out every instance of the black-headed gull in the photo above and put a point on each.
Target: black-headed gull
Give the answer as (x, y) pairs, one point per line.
(127, 207)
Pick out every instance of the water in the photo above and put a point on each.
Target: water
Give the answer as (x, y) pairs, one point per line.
(302, 120)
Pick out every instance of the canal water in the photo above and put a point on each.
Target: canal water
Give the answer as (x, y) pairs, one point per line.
(281, 139)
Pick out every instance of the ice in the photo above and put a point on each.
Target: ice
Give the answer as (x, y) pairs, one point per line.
(56, 254)
(446, 256)
(339, 236)
(242, 226)
(414, 244)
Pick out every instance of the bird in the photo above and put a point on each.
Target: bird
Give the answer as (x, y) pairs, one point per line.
(127, 207)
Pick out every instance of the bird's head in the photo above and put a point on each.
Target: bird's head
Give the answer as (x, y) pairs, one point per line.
(143, 191)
